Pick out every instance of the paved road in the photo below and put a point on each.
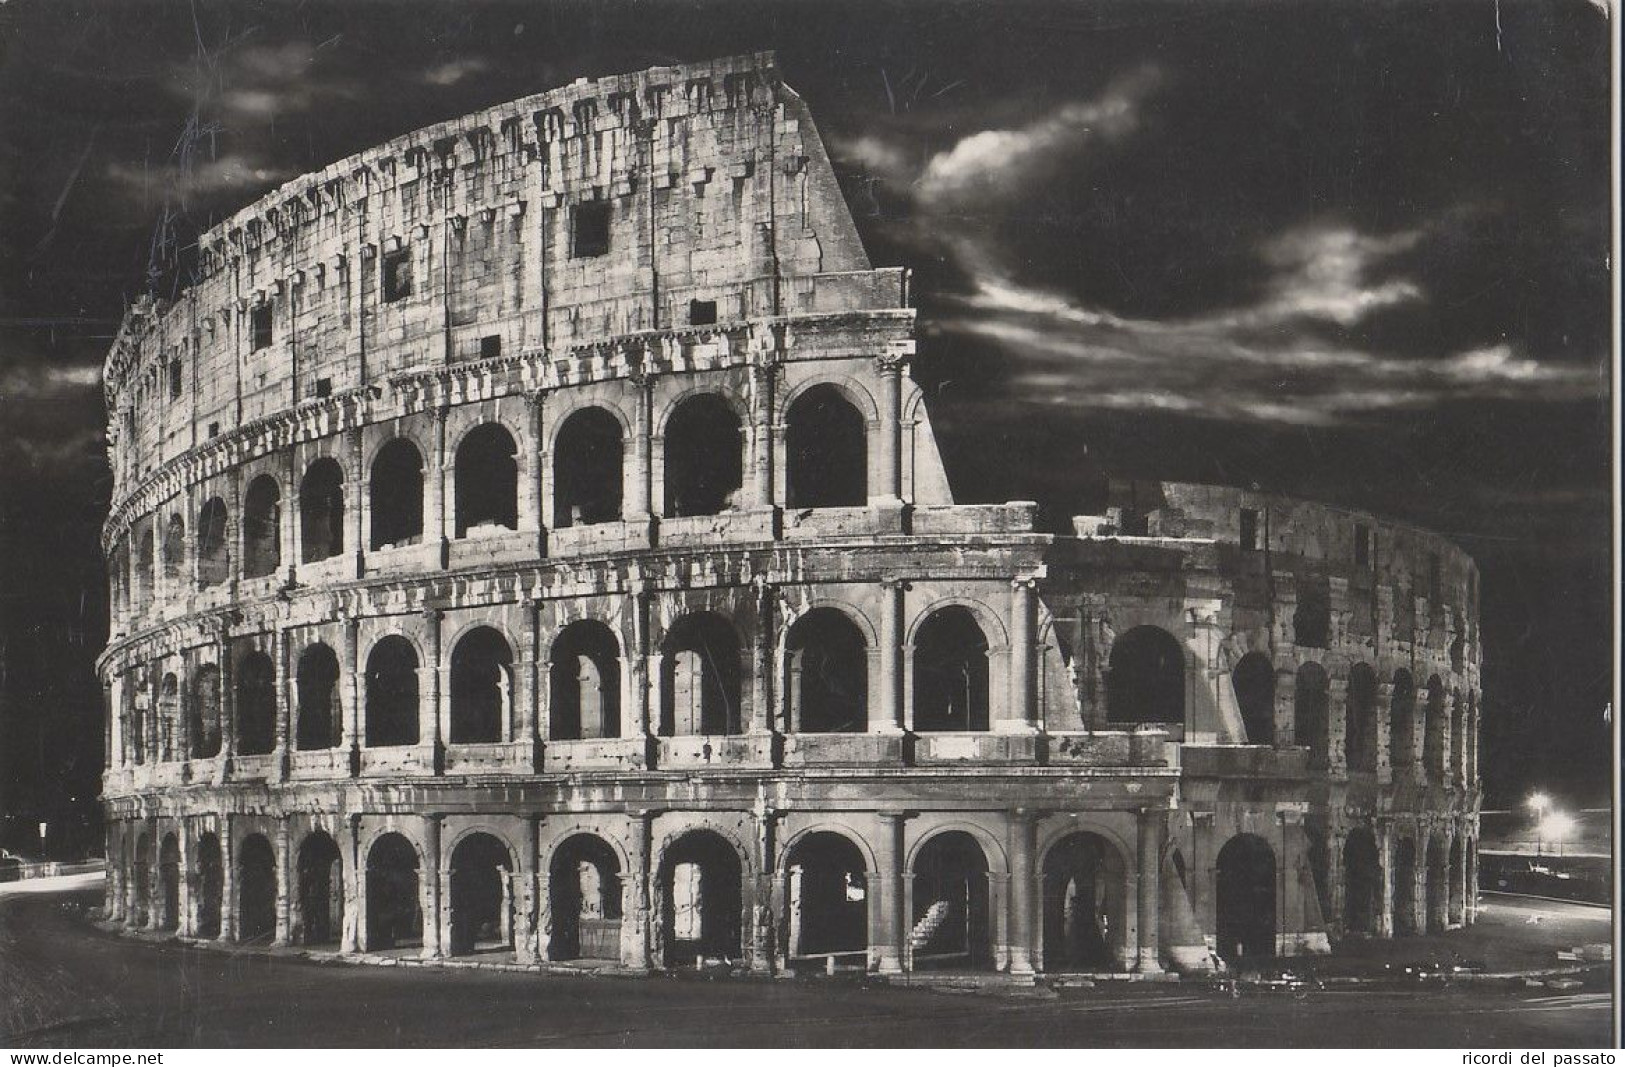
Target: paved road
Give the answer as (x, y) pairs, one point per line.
(66, 984)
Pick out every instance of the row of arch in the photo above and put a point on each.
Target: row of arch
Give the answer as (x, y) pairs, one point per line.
(704, 455)
(698, 896)
(1424, 885)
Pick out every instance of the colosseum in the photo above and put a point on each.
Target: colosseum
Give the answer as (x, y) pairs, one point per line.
(529, 542)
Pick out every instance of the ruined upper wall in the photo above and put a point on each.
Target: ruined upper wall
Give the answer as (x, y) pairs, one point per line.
(612, 206)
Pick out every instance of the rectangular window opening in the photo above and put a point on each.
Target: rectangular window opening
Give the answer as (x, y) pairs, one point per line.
(260, 322)
(1249, 529)
(1362, 545)
(702, 312)
(397, 275)
(324, 387)
(590, 229)
(214, 429)
(175, 373)
(491, 346)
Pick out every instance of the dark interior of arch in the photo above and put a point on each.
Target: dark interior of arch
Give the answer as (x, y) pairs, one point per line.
(1245, 899)
(700, 678)
(826, 451)
(256, 889)
(950, 672)
(397, 494)
(952, 919)
(321, 890)
(1254, 682)
(1405, 918)
(316, 678)
(256, 705)
(169, 717)
(204, 725)
(587, 469)
(481, 678)
(481, 911)
(829, 673)
(321, 511)
(487, 479)
(1402, 723)
(144, 570)
(1360, 728)
(704, 457)
(169, 883)
(262, 527)
(1362, 870)
(174, 548)
(829, 891)
(394, 912)
(211, 886)
(214, 558)
(585, 892)
(392, 693)
(1145, 678)
(1075, 918)
(701, 899)
(584, 681)
(1433, 720)
(1312, 617)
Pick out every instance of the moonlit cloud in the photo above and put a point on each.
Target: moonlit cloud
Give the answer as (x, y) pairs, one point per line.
(454, 71)
(233, 172)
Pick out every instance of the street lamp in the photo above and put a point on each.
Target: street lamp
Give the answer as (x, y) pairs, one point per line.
(1557, 827)
(1540, 802)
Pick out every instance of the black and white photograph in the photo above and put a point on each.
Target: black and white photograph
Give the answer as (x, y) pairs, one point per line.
(818, 524)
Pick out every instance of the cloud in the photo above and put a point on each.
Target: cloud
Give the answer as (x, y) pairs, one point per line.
(1000, 163)
(454, 71)
(187, 176)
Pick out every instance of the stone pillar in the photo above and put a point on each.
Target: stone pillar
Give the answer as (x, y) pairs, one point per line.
(357, 511)
(1021, 712)
(525, 888)
(228, 706)
(890, 715)
(888, 916)
(889, 469)
(1336, 880)
(354, 691)
(285, 878)
(538, 706)
(761, 662)
(187, 879)
(282, 742)
(1337, 717)
(430, 713)
(1447, 747)
(1151, 824)
(636, 893)
(1385, 879)
(1023, 827)
(763, 926)
(429, 889)
(228, 881)
(639, 474)
(1385, 703)
(434, 520)
(1286, 684)
(1471, 848)
(355, 886)
(761, 417)
(533, 490)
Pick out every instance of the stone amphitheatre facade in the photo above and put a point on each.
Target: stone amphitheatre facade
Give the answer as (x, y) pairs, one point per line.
(528, 541)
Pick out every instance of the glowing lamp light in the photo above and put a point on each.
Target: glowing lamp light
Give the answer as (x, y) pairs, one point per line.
(1556, 827)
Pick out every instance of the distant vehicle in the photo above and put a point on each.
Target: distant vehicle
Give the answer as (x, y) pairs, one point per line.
(11, 866)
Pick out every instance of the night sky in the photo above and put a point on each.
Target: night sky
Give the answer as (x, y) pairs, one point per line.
(1351, 251)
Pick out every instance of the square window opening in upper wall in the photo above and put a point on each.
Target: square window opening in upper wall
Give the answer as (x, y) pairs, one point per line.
(702, 312)
(589, 229)
(397, 269)
(260, 326)
(1249, 529)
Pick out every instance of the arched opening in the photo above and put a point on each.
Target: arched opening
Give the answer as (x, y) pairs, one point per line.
(828, 909)
(1145, 678)
(321, 511)
(1405, 887)
(481, 907)
(1309, 713)
(1245, 899)
(317, 682)
(169, 883)
(1362, 887)
(952, 922)
(1360, 727)
(262, 527)
(826, 451)
(1320, 867)
(704, 457)
(1253, 680)
(487, 479)
(205, 712)
(1456, 909)
(321, 890)
(1402, 725)
(584, 680)
(141, 882)
(587, 479)
(1455, 758)
(213, 555)
(256, 889)
(481, 687)
(950, 672)
(1438, 885)
(585, 892)
(1312, 615)
(1083, 898)
(256, 705)
(700, 897)
(394, 912)
(392, 693)
(828, 684)
(700, 678)
(174, 549)
(1433, 727)
(145, 570)
(169, 718)
(397, 494)
(211, 886)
